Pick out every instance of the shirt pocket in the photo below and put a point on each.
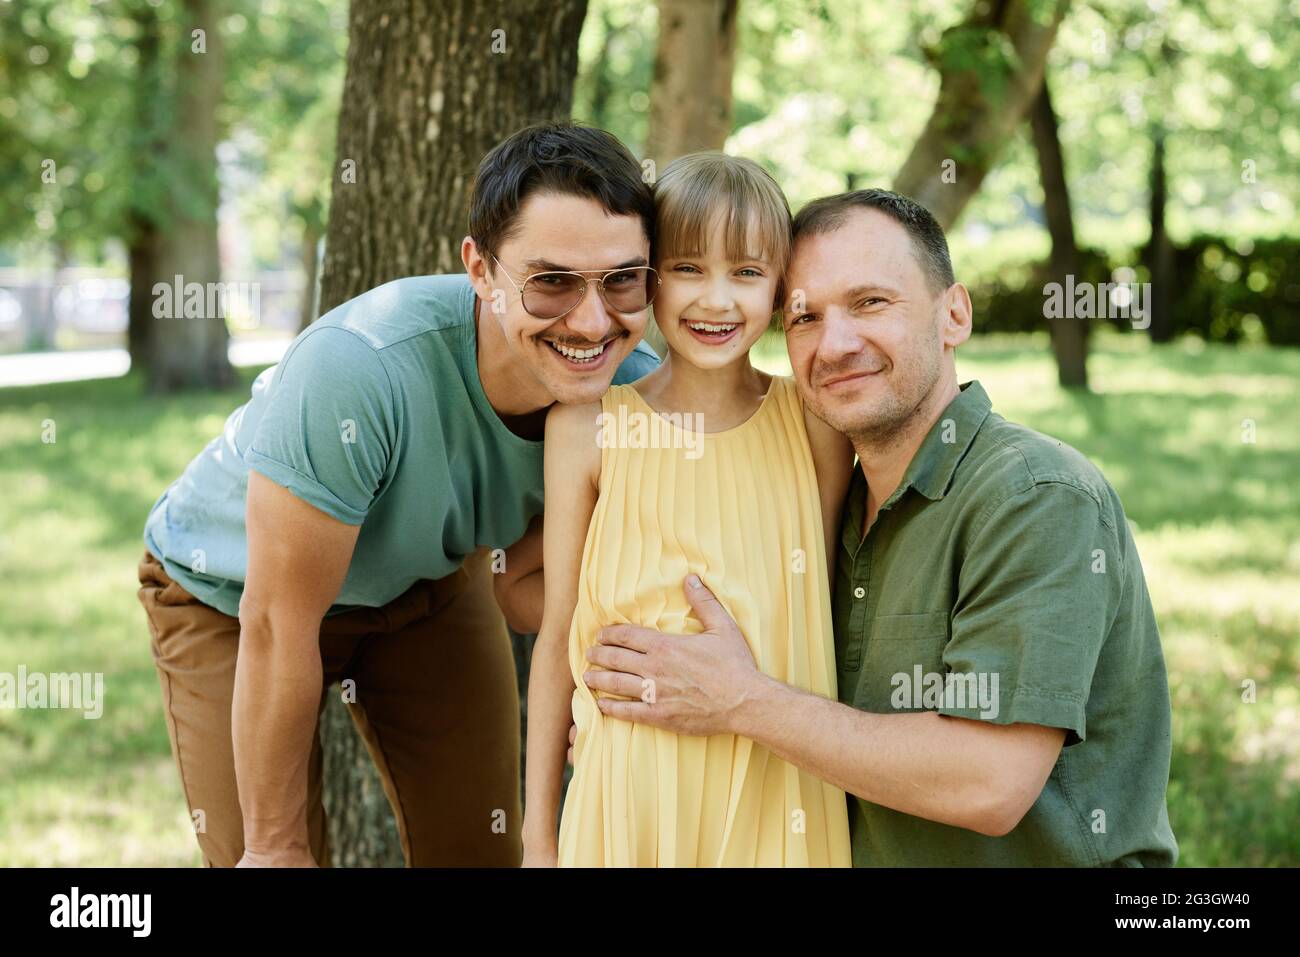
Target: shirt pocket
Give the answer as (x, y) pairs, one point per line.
(901, 651)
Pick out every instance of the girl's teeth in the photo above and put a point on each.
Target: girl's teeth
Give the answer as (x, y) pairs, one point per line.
(711, 327)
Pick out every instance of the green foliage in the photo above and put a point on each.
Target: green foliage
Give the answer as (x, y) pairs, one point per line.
(1243, 290)
(283, 101)
(1225, 291)
(1212, 74)
(78, 88)
(1011, 300)
(616, 62)
(984, 53)
(827, 94)
(63, 102)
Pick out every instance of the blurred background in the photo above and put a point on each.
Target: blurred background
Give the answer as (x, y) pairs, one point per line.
(302, 151)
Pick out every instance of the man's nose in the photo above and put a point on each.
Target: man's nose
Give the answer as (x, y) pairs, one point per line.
(589, 318)
(840, 336)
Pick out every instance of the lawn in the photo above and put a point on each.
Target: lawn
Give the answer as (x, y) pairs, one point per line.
(1217, 521)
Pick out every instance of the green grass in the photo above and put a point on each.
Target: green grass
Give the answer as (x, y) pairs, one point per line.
(1217, 520)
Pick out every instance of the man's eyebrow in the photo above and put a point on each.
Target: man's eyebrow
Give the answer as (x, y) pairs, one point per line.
(871, 287)
(545, 265)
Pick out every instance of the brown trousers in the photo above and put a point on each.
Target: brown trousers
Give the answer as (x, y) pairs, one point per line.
(437, 706)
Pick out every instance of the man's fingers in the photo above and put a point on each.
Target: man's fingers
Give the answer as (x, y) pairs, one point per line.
(707, 607)
(627, 636)
(616, 682)
(617, 658)
(637, 711)
(573, 736)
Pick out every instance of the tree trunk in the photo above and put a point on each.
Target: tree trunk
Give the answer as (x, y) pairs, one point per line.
(191, 352)
(311, 276)
(143, 260)
(430, 88)
(143, 238)
(984, 94)
(362, 831)
(42, 333)
(690, 96)
(603, 82)
(1069, 336)
(1159, 253)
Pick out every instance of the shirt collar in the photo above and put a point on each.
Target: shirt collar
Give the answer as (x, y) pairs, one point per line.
(932, 467)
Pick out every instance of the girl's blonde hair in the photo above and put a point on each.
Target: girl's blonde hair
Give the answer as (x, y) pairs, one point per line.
(696, 190)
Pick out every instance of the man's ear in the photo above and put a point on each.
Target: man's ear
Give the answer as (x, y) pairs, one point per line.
(957, 315)
(476, 267)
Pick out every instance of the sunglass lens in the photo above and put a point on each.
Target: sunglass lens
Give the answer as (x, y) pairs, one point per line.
(548, 295)
(628, 290)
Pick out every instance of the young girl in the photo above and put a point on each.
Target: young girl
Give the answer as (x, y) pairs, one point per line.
(706, 465)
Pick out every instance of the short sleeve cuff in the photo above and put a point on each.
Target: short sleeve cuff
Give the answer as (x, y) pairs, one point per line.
(1030, 706)
(304, 487)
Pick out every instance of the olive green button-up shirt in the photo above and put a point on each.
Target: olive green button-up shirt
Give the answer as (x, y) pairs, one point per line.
(1000, 583)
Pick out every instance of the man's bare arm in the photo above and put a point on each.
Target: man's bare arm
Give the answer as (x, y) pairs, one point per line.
(298, 558)
(971, 774)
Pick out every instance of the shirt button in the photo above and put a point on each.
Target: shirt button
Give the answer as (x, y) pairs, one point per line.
(859, 592)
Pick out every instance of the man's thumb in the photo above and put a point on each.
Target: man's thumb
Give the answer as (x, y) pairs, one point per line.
(707, 607)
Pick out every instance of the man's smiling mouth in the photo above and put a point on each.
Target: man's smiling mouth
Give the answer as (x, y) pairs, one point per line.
(581, 355)
(851, 377)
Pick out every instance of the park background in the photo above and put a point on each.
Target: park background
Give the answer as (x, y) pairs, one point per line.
(318, 148)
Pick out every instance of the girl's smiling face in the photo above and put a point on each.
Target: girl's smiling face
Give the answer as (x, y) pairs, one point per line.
(712, 308)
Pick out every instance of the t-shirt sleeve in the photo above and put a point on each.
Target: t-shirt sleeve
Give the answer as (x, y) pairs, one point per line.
(639, 362)
(327, 432)
(1038, 590)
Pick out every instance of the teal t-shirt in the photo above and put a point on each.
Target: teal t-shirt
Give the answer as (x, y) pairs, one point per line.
(376, 416)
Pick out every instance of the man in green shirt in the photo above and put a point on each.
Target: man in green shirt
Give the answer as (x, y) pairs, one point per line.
(1003, 696)
(348, 525)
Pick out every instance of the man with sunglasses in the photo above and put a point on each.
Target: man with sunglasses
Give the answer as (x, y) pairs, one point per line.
(346, 526)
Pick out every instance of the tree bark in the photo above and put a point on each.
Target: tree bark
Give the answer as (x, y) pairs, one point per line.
(143, 236)
(1069, 336)
(603, 85)
(362, 830)
(991, 66)
(690, 95)
(191, 352)
(143, 260)
(311, 275)
(429, 91)
(1159, 252)
(430, 88)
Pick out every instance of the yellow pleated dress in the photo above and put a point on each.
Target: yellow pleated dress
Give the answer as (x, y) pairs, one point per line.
(742, 511)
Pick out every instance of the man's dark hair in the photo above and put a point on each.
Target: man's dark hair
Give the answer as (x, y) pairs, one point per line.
(830, 212)
(554, 157)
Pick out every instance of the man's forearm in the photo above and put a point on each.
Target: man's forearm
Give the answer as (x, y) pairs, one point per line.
(924, 764)
(278, 683)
